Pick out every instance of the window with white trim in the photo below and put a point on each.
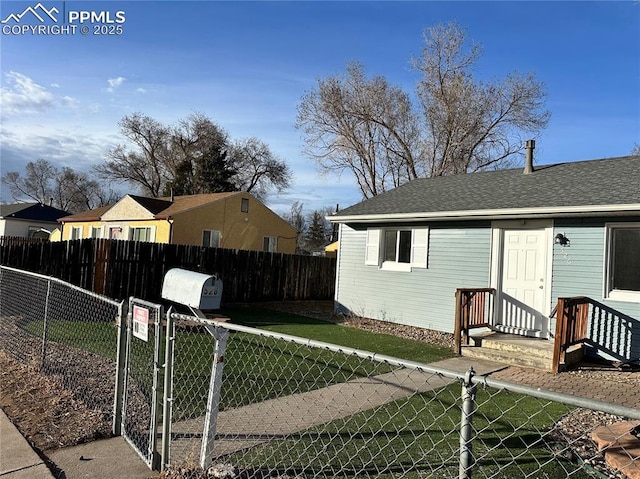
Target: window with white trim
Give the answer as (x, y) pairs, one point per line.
(211, 238)
(115, 232)
(76, 232)
(397, 248)
(141, 233)
(270, 244)
(622, 280)
(96, 231)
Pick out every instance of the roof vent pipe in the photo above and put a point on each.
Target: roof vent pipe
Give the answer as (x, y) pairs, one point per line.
(528, 161)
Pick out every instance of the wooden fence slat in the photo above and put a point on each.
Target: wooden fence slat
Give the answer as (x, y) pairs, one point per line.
(119, 269)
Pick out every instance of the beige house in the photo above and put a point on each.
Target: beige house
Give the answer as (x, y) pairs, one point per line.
(234, 220)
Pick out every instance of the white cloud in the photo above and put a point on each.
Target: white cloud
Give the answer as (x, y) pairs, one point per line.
(115, 83)
(77, 148)
(23, 95)
(141, 90)
(55, 85)
(69, 101)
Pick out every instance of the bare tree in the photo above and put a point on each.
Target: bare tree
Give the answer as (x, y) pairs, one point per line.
(636, 149)
(471, 125)
(199, 158)
(149, 166)
(373, 130)
(196, 156)
(296, 218)
(36, 184)
(67, 189)
(364, 126)
(258, 170)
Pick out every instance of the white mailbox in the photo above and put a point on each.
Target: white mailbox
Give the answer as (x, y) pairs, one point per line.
(196, 290)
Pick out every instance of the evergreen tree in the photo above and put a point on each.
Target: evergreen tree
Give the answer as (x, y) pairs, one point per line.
(316, 237)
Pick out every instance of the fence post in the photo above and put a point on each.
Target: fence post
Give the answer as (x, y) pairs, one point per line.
(157, 366)
(213, 402)
(120, 368)
(458, 323)
(167, 405)
(45, 325)
(466, 425)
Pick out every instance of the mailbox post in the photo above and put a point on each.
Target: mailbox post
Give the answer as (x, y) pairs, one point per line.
(198, 291)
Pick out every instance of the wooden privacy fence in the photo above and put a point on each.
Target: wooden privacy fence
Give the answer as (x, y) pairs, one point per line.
(119, 269)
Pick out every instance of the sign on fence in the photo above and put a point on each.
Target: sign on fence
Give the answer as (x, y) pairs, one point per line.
(141, 323)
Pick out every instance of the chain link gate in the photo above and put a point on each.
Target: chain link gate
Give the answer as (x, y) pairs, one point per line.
(143, 378)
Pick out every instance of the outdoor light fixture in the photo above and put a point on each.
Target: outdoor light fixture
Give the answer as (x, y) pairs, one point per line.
(562, 240)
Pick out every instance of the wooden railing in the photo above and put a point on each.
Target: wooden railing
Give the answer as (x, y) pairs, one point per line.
(474, 309)
(571, 326)
(604, 330)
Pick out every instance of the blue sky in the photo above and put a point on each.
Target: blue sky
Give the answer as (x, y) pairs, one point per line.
(247, 64)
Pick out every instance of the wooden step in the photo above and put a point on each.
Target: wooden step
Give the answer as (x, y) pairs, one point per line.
(527, 346)
(518, 350)
(513, 358)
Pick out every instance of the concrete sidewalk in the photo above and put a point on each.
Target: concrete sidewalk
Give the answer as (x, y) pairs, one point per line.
(106, 458)
(249, 426)
(17, 459)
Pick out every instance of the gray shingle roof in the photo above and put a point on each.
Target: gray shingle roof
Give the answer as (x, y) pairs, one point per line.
(31, 211)
(605, 182)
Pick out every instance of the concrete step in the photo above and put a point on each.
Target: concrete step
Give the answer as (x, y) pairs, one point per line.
(514, 358)
(540, 348)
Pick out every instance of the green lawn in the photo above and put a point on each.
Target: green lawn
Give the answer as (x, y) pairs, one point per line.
(418, 437)
(416, 434)
(337, 334)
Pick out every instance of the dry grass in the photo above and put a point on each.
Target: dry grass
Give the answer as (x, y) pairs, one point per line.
(44, 411)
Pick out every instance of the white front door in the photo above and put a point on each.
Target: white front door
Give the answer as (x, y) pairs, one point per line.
(523, 291)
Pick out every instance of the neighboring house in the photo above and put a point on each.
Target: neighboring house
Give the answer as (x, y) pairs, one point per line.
(225, 220)
(564, 230)
(29, 220)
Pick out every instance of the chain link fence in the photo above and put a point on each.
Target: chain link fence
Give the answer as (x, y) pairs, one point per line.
(293, 408)
(240, 402)
(66, 332)
(142, 378)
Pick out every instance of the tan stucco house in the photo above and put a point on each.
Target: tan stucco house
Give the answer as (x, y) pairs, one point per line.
(225, 220)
